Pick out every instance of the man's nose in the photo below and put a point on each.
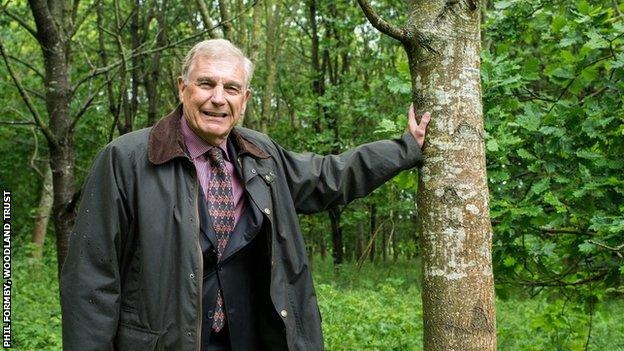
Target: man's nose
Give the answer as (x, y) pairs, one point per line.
(217, 95)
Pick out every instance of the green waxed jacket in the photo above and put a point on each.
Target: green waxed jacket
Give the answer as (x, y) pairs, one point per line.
(132, 278)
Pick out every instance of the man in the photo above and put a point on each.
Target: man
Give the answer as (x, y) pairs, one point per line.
(187, 237)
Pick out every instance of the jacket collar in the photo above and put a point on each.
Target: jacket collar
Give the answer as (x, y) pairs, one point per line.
(166, 141)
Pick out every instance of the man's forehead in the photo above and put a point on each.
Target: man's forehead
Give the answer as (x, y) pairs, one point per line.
(233, 67)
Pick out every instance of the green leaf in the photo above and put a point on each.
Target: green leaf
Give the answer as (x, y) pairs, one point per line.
(509, 261)
(492, 145)
(530, 120)
(587, 247)
(540, 186)
(596, 41)
(525, 154)
(551, 199)
(386, 126)
(563, 72)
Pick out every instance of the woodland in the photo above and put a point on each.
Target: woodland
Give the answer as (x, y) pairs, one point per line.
(510, 237)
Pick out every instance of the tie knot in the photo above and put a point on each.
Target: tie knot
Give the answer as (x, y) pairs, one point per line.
(215, 155)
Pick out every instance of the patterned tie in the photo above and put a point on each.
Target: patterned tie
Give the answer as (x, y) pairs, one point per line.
(221, 210)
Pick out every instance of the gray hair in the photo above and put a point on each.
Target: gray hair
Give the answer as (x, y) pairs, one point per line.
(217, 49)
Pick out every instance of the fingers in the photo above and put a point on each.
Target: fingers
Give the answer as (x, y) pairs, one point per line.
(411, 119)
(418, 130)
(424, 121)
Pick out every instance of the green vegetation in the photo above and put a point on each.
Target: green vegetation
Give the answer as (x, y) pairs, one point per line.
(377, 308)
(552, 76)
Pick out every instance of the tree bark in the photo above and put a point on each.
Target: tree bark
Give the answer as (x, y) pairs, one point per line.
(442, 41)
(334, 217)
(205, 15)
(373, 228)
(56, 50)
(458, 287)
(270, 59)
(151, 84)
(359, 239)
(226, 23)
(43, 214)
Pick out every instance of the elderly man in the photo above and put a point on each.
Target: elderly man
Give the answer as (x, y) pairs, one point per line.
(187, 237)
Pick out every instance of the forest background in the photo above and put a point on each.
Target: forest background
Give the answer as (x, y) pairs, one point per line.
(326, 80)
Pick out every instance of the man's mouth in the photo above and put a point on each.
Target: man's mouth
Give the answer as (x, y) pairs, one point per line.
(215, 114)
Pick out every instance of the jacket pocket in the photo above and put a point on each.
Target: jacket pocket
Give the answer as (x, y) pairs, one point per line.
(131, 338)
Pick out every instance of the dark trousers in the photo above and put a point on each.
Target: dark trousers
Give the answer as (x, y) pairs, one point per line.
(219, 341)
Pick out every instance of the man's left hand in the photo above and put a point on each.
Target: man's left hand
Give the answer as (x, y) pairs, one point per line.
(417, 129)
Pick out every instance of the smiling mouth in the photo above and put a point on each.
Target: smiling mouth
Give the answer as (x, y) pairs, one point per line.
(215, 114)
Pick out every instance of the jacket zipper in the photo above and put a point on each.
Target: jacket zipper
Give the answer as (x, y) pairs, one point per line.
(200, 269)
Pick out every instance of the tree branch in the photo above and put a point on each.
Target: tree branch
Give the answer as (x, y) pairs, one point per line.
(616, 249)
(379, 23)
(24, 94)
(80, 20)
(101, 70)
(21, 22)
(19, 123)
(87, 103)
(32, 68)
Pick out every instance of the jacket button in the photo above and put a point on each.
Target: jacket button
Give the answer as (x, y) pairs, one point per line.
(283, 313)
(192, 276)
(267, 211)
(189, 333)
(253, 171)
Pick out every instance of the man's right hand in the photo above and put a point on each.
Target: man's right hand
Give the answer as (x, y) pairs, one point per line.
(417, 129)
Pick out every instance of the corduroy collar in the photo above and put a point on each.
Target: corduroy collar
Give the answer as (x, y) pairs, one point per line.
(166, 141)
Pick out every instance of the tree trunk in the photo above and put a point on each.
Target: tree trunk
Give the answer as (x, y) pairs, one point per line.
(226, 23)
(151, 84)
(322, 246)
(359, 239)
(458, 293)
(43, 213)
(384, 245)
(373, 228)
(250, 118)
(442, 41)
(334, 217)
(205, 15)
(53, 20)
(272, 20)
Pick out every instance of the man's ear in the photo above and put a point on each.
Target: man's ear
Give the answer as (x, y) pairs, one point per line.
(248, 93)
(181, 87)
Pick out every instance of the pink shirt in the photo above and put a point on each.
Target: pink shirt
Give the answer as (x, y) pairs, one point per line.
(197, 148)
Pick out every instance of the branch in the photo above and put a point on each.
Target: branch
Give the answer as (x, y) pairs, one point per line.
(86, 104)
(24, 94)
(379, 23)
(565, 231)
(561, 283)
(32, 68)
(21, 22)
(82, 18)
(616, 249)
(18, 123)
(35, 153)
(102, 70)
(205, 15)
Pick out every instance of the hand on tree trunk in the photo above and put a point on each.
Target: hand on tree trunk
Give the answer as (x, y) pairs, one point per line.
(417, 129)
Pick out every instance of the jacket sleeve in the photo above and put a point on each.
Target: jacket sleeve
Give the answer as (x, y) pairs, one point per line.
(90, 277)
(320, 182)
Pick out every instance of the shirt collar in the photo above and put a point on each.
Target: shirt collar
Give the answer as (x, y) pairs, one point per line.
(197, 146)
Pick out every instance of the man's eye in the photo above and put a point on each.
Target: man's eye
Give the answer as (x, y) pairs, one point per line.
(232, 90)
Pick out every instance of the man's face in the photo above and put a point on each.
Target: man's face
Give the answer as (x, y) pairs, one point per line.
(214, 98)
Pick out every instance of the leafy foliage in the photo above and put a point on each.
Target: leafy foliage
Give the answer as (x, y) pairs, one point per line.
(552, 83)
